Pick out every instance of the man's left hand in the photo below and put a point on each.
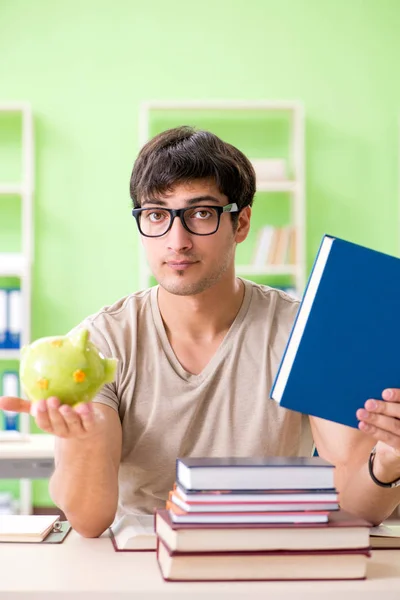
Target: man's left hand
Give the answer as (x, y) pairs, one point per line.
(380, 419)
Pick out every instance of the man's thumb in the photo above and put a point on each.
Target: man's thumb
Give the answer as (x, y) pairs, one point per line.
(15, 404)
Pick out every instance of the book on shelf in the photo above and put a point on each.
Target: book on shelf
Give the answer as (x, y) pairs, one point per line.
(262, 566)
(253, 505)
(239, 496)
(27, 528)
(10, 387)
(3, 318)
(263, 473)
(133, 532)
(263, 245)
(342, 349)
(274, 246)
(385, 536)
(291, 258)
(10, 319)
(342, 531)
(282, 244)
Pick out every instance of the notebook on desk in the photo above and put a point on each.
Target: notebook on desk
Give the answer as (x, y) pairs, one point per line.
(134, 533)
(33, 529)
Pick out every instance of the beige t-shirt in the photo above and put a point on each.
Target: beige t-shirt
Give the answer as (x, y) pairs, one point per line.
(167, 412)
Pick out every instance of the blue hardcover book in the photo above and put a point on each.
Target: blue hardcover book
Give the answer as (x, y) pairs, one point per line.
(344, 345)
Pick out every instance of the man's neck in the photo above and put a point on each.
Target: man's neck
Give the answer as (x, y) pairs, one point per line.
(202, 317)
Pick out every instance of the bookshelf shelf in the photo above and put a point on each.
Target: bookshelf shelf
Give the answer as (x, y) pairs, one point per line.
(12, 265)
(276, 186)
(11, 189)
(10, 354)
(18, 265)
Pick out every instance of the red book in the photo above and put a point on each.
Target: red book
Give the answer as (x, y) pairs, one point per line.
(262, 566)
(269, 505)
(342, 531)
(181, 516)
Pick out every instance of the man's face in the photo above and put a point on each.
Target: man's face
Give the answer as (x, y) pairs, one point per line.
(184, 263)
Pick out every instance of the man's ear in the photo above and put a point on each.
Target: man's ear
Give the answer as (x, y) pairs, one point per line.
(243, 225)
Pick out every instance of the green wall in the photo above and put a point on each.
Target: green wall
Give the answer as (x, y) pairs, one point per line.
(86, 66)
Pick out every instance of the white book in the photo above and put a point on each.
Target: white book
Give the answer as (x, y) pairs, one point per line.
(3, 317)
(15, 316)
(26, 528)
(263, 245)
(10, 385)
(247, 518)
(385, 536)
(134, 532)
(283, 245)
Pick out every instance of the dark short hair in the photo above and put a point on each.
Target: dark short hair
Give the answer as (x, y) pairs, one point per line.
(184, 154)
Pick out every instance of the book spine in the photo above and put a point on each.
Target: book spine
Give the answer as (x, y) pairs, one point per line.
(3, 318)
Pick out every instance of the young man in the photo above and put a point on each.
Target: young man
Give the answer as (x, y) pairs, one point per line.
(197, 356)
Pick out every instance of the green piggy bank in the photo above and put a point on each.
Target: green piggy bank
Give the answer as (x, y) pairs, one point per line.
(69, 367)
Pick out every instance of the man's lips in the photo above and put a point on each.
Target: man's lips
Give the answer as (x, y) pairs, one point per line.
(180, 264)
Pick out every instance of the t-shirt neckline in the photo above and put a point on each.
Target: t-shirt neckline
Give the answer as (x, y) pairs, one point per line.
(222, 349)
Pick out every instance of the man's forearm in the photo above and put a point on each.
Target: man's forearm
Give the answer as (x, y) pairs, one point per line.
(360, 496)
(85, 485)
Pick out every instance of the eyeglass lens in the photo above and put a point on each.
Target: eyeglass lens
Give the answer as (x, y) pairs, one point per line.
(200, 220)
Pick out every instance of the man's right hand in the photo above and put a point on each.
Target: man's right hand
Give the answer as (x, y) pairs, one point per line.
(81, 422)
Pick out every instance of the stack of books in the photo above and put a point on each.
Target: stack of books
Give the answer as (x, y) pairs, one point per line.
(258, 519)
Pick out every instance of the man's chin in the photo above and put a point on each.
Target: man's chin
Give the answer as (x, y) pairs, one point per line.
(180, 287)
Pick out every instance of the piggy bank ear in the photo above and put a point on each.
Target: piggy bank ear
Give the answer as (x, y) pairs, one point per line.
(110, 368)
(80, 338)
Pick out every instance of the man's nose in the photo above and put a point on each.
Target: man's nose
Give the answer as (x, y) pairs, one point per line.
(178, 238)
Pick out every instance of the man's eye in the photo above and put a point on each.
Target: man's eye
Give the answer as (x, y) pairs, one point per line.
(202, 214)
(156, 217)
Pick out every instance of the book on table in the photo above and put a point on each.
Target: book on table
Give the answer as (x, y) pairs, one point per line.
(133, 532)
(385, 536)
(263, 566)
(242, 496)
(342, 531)
(180, 516)
(253, 505)
(259, 473)
(27, 528)
(343, 346)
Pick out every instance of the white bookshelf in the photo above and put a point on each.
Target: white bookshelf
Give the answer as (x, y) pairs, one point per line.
(19, 265)
(294, 187)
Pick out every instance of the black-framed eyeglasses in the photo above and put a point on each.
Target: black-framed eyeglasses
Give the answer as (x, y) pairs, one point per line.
(199, 220)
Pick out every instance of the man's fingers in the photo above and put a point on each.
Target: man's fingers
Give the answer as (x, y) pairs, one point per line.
(389, 424)
(382, 407)
(381, 435)
(391, 395)
(86, 413)
(57, 420)
(15, 404)
(72, 420)
(40, 412)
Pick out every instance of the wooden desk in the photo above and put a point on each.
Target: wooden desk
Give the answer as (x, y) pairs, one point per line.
(89, 569)
(30, 458)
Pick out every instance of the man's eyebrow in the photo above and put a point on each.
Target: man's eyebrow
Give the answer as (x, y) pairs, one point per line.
(188, 202)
